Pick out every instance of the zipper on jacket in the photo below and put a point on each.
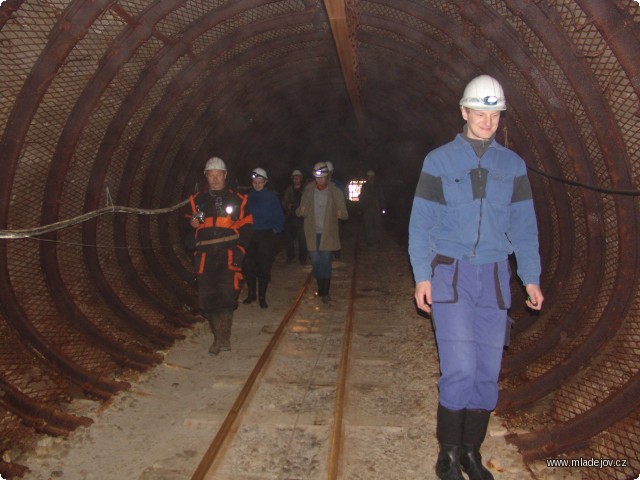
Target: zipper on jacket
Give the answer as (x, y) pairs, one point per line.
(473, 253)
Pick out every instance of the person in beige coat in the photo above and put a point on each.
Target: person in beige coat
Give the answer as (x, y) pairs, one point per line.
(321, 206)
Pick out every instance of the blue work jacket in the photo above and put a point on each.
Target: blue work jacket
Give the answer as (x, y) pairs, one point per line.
(479, 210)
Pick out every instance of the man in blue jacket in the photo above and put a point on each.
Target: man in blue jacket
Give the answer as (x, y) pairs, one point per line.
(472, 208)
(268, 220)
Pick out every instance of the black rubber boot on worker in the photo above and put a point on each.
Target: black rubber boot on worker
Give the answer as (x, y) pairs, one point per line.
(326, 284)
(251, 293)
(449, 434)
(214, 349)
(475, 429)
(262, 292)
(225, 320)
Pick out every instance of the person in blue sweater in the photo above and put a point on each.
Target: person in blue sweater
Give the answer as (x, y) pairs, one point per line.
(268, 220)
(472, 208)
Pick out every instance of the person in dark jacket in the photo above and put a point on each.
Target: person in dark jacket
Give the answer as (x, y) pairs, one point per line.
(223, 228)
(472, 208)
(268, 220)
(373, 204)
(294, 225)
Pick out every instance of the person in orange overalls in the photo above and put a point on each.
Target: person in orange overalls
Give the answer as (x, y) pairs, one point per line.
(223, 228)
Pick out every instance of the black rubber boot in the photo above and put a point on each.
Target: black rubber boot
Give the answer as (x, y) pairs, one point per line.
(251, 294)
(214, 349)
(220, 323)
(475, 429)
(326, 282)
(262, 292)
(449, 433)
(226, 319)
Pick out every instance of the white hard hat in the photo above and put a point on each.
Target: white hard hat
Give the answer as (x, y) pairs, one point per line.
(483, 93)
(370, 173)
(296, 172)
(329, 165)
(259, 173)
(215, 163)
(320, 170)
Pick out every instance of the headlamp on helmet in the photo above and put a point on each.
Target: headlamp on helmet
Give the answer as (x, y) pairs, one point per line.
(484, 93)
(320, 170)
(259, 173)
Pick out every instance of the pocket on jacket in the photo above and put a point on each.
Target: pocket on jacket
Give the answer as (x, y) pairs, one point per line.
(457, 188)
(444, 280)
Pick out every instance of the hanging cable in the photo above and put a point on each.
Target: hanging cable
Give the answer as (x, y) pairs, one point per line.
(34, 232)
(613, 191)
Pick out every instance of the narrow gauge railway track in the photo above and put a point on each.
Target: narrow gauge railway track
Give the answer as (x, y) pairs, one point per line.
(315, 399)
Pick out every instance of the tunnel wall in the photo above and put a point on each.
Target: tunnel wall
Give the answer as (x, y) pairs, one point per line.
(108, 103)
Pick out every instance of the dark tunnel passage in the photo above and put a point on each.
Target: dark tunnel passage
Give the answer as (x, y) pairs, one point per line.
(110, 108)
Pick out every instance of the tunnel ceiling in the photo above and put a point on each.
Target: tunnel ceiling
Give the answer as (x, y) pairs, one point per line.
(109, 110)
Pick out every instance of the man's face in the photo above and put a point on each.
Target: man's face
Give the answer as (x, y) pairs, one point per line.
(322, 181)
(297, 180)
(258, 183)
(215, 179)
(481, 124)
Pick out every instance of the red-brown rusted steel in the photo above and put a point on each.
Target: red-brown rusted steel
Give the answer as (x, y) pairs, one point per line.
(479, 22)
(53, 190)
(348, 56)
(159, 335)
(68, 30)
(575, 433)
(621, 33)
(190, 74)
(42, 418)
(94, 385)
(13, 469)
(66, 306)
(614, 314)
(123, 48)
(9, 7)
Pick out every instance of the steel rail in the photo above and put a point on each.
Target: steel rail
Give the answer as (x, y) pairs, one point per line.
(335, 449)
(227, 426)
(336, 437)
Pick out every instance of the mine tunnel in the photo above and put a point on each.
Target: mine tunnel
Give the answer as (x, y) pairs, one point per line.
(110, 108)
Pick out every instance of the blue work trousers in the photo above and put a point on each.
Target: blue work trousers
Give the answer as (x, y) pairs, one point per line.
(469, 311)
(321, 261)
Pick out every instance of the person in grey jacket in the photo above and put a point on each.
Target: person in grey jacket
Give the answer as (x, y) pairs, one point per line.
(373, 205)
(322, 205)
(472, 208)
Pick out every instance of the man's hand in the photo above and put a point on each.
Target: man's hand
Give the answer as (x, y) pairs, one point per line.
(423, 296)
(535, 297)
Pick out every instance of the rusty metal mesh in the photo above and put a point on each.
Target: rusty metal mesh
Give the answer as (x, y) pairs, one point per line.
(133, 137)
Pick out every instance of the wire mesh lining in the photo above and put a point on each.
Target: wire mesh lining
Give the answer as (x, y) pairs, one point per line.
(24, 37)
(605, 375)
(620, 441)
(598, 381)
(564, 303)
